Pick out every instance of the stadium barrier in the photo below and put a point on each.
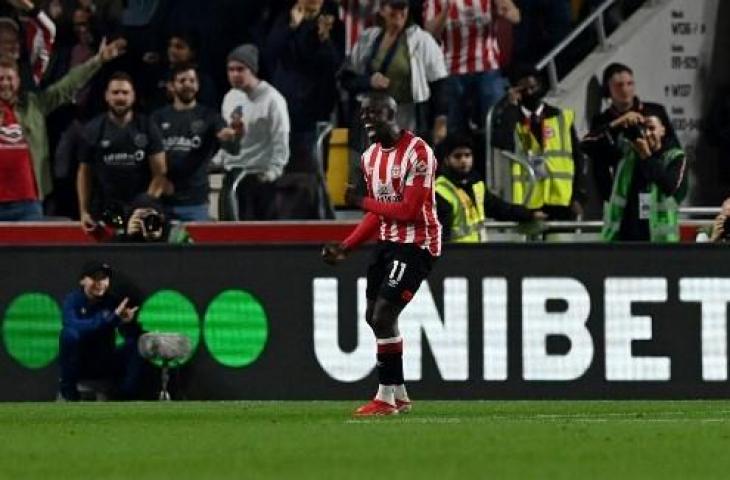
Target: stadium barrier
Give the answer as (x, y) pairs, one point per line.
(507, 321)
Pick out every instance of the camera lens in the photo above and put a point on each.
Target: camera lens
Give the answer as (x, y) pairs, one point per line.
(153, 222)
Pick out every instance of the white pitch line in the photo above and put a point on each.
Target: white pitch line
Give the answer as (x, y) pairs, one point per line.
(422, 420)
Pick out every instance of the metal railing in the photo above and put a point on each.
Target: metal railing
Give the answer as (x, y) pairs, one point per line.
(233, 195)
(588, 230)
(595, 19)
(325, 207)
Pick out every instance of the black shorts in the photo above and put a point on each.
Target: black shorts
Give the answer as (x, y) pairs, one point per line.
(397, 271)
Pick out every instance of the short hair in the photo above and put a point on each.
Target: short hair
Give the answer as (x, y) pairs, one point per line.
(381, 99)
(525, 70)
(182, 68)
(609, 72)
(6, 61)
(120, 76)
(191, 38)
(452, 142)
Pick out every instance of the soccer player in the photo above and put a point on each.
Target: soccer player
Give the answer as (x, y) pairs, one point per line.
(400, 171)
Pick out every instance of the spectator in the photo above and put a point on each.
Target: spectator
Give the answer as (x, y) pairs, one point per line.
(305, 48)
(475, 73)
(123, 156)
(544, 136)
(189, 132)
(721, 226)
(625, 109)
(357, 15)
(649, 184)
(400, 60)
(91, 315)
(25, 175)
(39, 32)
(259, 115)
(463, 201)
(182, 49)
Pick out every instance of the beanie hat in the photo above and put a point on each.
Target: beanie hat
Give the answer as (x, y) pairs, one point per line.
(247, 54)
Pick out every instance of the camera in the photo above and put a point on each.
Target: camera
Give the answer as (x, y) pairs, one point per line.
(634, 132)
(153, 221)
(113, 216)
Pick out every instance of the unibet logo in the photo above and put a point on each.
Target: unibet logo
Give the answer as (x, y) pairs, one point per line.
(235, 326)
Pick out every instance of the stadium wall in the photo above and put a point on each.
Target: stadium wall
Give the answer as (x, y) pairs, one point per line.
(509, 321)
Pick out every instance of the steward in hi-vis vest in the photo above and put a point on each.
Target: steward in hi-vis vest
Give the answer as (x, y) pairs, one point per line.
(463, 201)
(544, 137)
(648, 186)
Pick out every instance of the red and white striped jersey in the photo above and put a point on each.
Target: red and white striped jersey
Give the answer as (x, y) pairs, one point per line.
(40, 38)
(389, 172)
(468, 40)
(357, 15)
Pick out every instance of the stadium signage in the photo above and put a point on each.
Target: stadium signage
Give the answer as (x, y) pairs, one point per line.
(551, 308)
(505, 321)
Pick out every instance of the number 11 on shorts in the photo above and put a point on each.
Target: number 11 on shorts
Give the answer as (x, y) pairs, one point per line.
(396, 265)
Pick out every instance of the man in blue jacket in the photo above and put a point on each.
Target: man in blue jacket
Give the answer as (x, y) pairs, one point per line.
(87, 342)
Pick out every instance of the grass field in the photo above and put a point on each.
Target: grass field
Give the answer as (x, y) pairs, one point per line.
(440, 440)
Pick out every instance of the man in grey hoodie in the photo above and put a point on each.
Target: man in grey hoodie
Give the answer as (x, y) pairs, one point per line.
(258, 114)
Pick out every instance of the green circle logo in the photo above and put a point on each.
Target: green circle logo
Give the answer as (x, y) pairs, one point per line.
(235, 328)
(169, 311)
(31, 329)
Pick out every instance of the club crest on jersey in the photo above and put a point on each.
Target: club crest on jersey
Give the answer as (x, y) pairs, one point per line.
(420, 167)
(548, 132)
(140, 140)
(395, 171)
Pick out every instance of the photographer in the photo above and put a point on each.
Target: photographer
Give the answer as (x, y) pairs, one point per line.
(625, 111)
(649, 183)
(146, 221)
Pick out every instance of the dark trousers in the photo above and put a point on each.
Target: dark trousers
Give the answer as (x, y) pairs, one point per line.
(256, 199)
(96, 357)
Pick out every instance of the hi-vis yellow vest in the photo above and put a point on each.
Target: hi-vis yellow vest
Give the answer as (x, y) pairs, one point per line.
(467, 224)
(556, 186)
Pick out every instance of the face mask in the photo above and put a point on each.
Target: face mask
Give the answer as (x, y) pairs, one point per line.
(531, 102)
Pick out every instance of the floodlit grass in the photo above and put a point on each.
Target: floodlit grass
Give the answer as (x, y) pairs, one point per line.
(440, 440)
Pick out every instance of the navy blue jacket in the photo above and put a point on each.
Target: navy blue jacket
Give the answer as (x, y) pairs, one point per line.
(88, 318)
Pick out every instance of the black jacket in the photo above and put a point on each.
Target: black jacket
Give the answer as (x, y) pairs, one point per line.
(494, 207)
(601, 146)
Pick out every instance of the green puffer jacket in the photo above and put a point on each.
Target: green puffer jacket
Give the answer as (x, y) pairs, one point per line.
(32, 109)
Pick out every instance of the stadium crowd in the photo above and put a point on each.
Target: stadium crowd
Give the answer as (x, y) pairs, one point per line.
(243, 87)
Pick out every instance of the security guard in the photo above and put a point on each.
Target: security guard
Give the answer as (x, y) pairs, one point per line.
(545, 137)
(462, 200)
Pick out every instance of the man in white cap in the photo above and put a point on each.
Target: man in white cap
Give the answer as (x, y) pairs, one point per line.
(258, 114)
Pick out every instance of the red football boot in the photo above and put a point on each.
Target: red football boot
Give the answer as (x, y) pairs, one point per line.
(403, 406)
(376, 407)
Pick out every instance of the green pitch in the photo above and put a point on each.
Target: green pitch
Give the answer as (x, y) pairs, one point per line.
(319, 440)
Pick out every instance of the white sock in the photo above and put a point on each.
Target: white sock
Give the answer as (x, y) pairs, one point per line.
(401, 394)
(386, 394)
